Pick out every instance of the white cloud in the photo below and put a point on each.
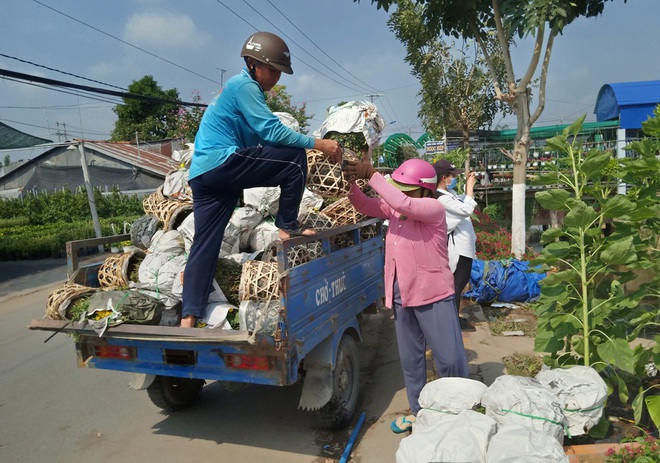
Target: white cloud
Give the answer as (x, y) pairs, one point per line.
(163, 30)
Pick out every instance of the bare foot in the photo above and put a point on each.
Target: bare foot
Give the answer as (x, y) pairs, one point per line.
(285, 235)
(188, 321)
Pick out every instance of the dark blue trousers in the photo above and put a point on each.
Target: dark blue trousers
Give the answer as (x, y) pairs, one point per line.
(215, 195)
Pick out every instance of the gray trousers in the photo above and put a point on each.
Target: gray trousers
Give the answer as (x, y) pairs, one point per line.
(437, 326)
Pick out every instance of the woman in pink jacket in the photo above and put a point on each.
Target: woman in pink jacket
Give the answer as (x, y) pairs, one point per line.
(419, 286)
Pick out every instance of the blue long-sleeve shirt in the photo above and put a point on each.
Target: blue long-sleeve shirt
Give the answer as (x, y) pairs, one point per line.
(238, 118)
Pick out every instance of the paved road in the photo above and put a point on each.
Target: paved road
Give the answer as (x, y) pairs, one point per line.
(52, 411)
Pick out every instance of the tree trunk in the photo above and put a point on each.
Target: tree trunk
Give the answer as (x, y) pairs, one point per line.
(466, 145)
(522, 142)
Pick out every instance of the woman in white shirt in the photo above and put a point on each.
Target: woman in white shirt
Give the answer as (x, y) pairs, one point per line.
(461, 237)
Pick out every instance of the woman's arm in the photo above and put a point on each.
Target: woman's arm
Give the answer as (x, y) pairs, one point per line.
(422, 209)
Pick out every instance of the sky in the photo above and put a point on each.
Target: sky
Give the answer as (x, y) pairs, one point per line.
(341, 51)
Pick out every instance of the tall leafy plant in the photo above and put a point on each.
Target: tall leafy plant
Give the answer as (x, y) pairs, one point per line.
(585, 314)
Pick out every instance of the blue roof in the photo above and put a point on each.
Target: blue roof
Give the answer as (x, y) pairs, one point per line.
(631, 102)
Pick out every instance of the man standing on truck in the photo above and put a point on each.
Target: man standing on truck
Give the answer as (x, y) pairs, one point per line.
(242, 144)
(419, 287)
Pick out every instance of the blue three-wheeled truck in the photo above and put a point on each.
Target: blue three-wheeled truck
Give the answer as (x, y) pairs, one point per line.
(322, 305)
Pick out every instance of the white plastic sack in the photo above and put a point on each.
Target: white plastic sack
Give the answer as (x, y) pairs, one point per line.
(582, 393)
(187, 230)
(230, 238)
(288, 120)
(184, 155)
(245, 219)
(160, 270)
(354, 117)
(266, 200)
(176, 186)
(517, 400)
(458, 438)
(243, 257)
(310, 202)
(167, 242)
(262, 235)
(215, 315)
(520, 444)
(446, 397)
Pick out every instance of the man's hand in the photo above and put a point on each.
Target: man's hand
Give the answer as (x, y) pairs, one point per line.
(355, 169)
(330, 148)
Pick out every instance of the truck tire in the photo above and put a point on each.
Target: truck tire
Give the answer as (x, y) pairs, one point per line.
(172, 393)
(338, 412)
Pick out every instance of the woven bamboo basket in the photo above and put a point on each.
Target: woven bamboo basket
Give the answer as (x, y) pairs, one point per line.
(296, 255)
(317, 220)
(61, 299)
(325, 177)
(116, 270)
(342, 212)
(169, 211)
(259, 281)
(368, 232)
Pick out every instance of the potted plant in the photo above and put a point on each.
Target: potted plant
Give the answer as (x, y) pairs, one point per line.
(586, 315)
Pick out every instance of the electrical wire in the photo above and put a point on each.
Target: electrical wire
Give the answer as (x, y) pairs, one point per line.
(59, 83)
(63, 72)
(125, 42)
(295, 56)
(303, 49)
(321, 50)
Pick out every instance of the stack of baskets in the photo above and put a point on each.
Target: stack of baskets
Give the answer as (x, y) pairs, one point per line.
(259, 279)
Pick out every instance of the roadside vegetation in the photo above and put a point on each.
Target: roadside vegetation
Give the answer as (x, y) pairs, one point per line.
(38, 225)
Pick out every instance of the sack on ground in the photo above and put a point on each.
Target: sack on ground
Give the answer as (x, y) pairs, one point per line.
(458, 438)
(517, 400)
(446, 397)
(582, 393)
(520, 444)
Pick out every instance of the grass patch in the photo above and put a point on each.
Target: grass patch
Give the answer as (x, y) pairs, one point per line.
(523, 364)
(507, 319)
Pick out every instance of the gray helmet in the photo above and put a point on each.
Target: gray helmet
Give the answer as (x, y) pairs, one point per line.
(268, 48)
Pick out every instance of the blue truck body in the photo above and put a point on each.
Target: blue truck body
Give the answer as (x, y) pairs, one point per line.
(321, 302)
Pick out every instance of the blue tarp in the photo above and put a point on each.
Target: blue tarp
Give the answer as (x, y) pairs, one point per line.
(503, 281)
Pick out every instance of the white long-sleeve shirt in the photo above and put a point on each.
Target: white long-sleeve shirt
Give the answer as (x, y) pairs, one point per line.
(462, 239)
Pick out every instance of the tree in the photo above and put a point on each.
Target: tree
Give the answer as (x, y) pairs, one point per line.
(188, 119)
(7, 160)
(457, 88)
(278, 99)
(151, 120)
(477, 19)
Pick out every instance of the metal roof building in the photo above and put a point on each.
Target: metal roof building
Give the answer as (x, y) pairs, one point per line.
(630, 102)
(129, 167)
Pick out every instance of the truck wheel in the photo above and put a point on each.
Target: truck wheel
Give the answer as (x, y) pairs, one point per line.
(172, 393)
(338, 412)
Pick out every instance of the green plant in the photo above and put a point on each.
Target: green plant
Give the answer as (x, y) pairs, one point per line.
(586, 316)
(643, 449)
(493, 240)
(523, 364)
(496, 211)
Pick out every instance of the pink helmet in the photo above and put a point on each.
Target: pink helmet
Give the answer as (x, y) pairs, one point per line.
(416, 173)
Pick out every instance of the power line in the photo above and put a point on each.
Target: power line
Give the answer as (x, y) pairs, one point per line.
(62, 72)
(103, 91)
(297, 57)
(320, 49)
(124, 41)
(302, 48)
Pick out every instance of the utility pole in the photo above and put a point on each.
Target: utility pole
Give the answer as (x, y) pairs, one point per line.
(371, 96)
(59, 133)
(222, 77)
